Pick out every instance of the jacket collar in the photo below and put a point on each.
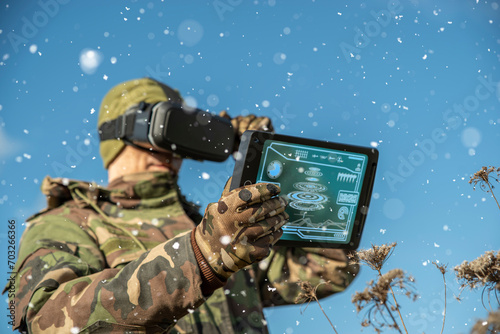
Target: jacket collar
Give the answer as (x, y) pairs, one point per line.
(140, 190)
(144, 190)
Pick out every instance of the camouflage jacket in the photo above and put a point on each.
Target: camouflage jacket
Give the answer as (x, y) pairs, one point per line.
(120, 259)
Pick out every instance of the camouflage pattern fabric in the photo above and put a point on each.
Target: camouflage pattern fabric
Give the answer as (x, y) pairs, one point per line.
(120, 259)
(241, 227)
(285, 266)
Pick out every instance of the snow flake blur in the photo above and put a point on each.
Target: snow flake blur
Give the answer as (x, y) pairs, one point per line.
(90, 60)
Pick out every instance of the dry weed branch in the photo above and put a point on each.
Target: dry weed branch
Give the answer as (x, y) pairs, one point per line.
(376, 301)
(307, 294)
(481, 272)
(375, 258)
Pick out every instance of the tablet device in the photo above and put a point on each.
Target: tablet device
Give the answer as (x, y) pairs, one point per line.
(328, 185)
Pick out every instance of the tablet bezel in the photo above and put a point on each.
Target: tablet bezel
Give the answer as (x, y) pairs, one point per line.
(247, 165)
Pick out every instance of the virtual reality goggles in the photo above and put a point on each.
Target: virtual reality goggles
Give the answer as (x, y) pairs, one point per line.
(170, 127)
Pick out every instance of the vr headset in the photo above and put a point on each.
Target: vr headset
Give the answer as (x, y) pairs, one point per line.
(169, 127)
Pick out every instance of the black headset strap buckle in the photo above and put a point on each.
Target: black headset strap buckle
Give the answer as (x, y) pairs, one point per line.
(120, 125)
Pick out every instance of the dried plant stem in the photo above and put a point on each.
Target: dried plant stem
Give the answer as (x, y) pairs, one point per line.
(392, 317)
(397, 309)
(492, 194)
(397, 305)
(444, 316)
(325, 314)
(442, 269)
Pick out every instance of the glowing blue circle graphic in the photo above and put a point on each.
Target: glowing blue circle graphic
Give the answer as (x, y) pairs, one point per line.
(309, 186)
(313, 173)
(304, 196)
(306, 206)
(274, 169)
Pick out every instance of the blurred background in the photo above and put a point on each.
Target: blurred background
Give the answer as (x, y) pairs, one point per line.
(416, 79)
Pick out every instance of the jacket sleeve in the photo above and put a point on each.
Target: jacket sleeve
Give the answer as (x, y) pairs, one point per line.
(63, 286)
(279, 275)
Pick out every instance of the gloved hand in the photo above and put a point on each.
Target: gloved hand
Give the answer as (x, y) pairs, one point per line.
(241, 228)
(249, 122)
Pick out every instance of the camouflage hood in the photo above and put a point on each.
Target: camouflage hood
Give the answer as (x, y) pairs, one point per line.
(141, 190)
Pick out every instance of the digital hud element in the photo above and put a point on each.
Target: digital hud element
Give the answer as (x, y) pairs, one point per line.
(323, 187)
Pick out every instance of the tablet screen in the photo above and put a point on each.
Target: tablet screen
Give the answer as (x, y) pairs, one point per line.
(323, 187)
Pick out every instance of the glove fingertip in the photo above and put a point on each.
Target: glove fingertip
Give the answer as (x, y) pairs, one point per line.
(273, 189)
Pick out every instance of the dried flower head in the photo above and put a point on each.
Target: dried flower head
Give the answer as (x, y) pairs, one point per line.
(375, 299)
(488, 326)
(481, 272)
(442, 267)
(307, 292)
(483, 177)
(374, 257)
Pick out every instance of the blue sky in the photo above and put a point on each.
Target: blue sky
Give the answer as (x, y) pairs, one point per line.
(419, 83)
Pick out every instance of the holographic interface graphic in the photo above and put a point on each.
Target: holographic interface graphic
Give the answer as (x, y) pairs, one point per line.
(323, 187)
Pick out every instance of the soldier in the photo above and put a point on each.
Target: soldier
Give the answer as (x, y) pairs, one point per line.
(135, 257)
